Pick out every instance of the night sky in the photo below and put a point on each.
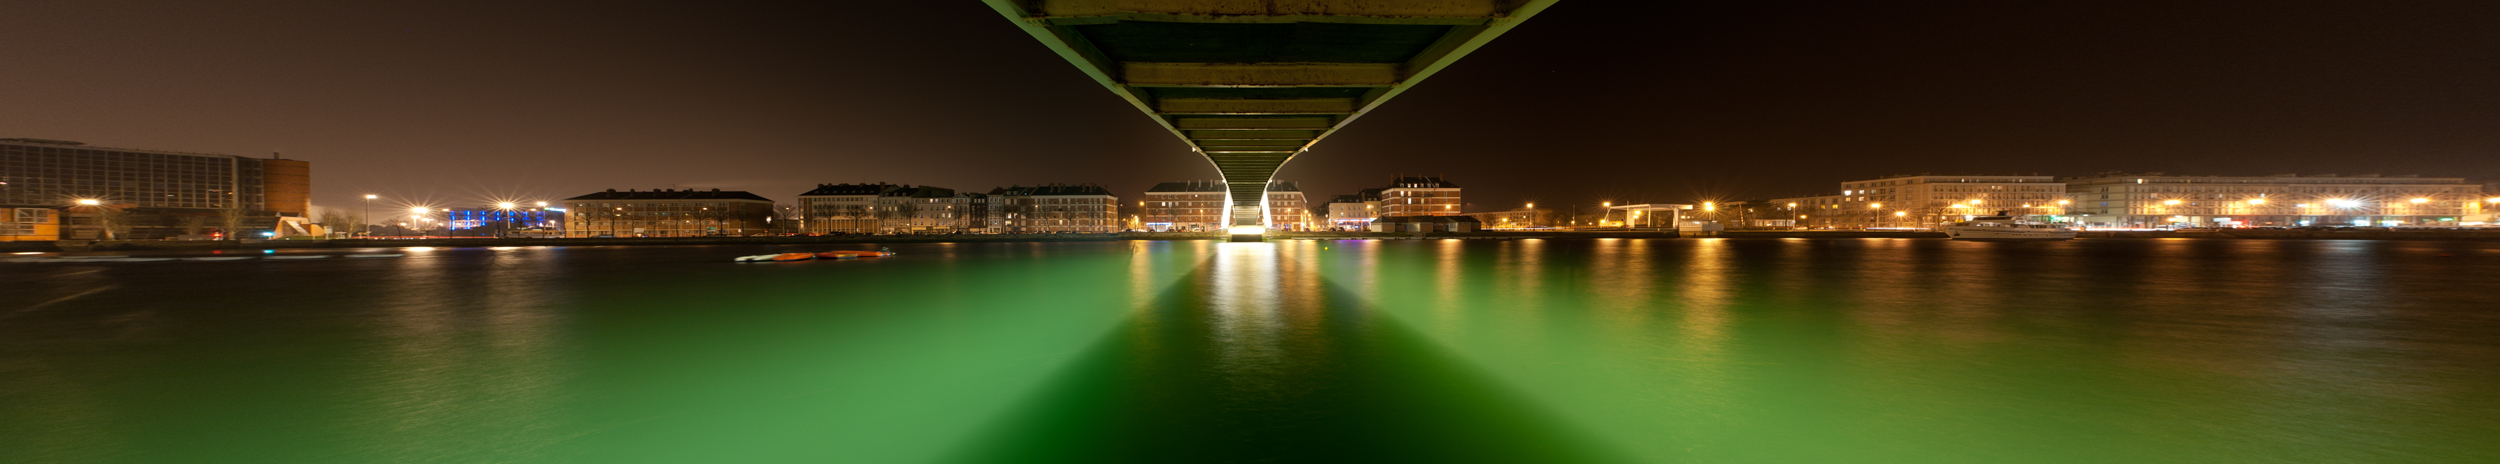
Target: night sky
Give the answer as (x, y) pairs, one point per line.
(455, 104)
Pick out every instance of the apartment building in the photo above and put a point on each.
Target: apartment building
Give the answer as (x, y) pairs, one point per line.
(1054, 209)
(1420, 196)
(842, 208)
(1287, 209)
(1189, 206)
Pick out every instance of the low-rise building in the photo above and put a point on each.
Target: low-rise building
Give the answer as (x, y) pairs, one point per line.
(1351, 212)
(2283, 200)
(491, 221)
(29, 224)
(666, 213)
(1190, 206)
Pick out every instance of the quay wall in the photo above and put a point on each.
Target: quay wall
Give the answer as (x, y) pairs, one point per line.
(2241, 234)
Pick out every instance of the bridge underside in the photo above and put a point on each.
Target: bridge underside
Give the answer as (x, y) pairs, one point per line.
(1252, 83)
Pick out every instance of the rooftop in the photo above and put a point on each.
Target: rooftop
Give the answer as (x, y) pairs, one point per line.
(1188, 186)
(1053, 190)
(1420, 182)
(850, 189)
(671, 194)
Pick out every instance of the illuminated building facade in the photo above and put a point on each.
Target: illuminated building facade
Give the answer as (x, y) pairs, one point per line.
(931, 210)
(1922, 201)
(1054, 209)
(29, 224)
(1420, 196)
(491, 219)
(2283, 200)
(1352, 212)
(842, 208)
(1190, 206)
(666, 213)
(1287, 209)
(153, 194)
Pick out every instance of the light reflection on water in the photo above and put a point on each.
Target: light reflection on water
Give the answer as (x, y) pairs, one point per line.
(1445, 350)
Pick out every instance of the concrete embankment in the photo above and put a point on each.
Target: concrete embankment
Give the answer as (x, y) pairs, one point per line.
(1829, 234)
(2243, 234)
(2306, 234)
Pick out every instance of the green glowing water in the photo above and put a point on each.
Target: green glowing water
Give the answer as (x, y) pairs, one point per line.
(1404, 351)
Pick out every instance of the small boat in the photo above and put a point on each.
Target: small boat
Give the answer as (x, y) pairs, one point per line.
(754, 258)
(129, 260)
(793, 257)
(2005, 228)
(850, 254)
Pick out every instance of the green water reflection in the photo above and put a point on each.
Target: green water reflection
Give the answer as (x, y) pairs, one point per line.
(1697, 350)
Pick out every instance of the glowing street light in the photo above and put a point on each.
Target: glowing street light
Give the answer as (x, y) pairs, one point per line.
(90, 201)
(2418, 201)
(2256, 201)
(2170, 202)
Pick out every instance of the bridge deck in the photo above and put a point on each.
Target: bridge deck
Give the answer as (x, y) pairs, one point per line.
(1251, 85)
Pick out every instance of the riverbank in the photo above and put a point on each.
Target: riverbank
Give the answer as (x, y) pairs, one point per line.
(203, 245)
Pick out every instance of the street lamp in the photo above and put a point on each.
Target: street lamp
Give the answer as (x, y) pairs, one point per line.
(418, 217)
(367, 217)
(90, 201)
(503, 222)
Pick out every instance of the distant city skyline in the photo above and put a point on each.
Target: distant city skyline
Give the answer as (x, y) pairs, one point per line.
(447, 104)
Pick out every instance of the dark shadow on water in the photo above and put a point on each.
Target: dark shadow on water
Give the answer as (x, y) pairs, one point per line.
(1190, 381)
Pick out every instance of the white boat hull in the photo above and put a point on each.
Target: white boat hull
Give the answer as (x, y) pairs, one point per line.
(2008, 234)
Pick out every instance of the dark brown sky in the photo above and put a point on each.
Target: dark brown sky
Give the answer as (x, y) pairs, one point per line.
(453, 103)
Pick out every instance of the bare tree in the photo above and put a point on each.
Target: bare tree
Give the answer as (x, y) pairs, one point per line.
(854, 213)
(231, 217)
(331, 222)
(112, 221)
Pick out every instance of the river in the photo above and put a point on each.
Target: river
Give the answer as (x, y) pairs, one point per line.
(1609, 350)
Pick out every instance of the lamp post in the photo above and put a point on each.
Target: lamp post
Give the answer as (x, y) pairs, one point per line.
(503, 222)
(1532, 215)
(417, 216)
(367, 217)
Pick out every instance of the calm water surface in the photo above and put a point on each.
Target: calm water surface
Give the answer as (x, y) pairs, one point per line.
(1694, 350)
